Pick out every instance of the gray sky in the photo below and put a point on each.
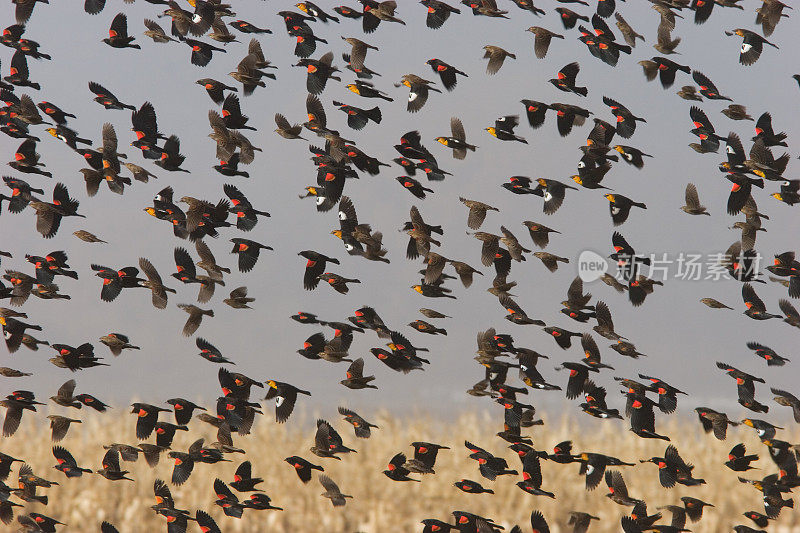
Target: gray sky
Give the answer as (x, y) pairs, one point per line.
(682, 337)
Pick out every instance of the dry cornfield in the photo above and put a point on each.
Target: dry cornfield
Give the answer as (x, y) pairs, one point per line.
(382, 505)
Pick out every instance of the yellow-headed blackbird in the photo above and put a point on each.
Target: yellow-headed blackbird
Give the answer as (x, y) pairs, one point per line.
(285, 398)
(752, 45)
(314, 10)
(368, 90)
(418, 91)
(458, 141)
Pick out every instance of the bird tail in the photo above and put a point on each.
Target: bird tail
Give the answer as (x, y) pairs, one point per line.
(374, 114)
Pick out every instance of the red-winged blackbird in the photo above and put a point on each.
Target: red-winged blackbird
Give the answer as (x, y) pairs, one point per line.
(215, 89)
(413, 186)
(111, 469)
(447, 73)
(67, 463)
(116, 280)
(664, 68)
(26, 159)
(183, 408)
(395, 469)
(357, 118)
(626, 121)
(319, 71)
(303, 467)
(755, 306)
(118, 34)
(566, 80)
(105, 98)
(315, 266)
(19, 74)
(360, 426)
(601, 43)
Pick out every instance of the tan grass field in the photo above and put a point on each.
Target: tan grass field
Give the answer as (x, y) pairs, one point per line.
(381, 505)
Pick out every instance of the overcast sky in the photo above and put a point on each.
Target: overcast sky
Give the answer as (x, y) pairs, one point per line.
(682, 338)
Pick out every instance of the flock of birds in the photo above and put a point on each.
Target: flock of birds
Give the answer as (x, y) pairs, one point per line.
(336, 159)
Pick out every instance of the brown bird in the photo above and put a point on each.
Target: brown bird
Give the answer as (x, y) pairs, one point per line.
(496, 56)
(338, 282)
(238, 299)
(287, 130)
(356, 378)
(550, 260)
(628, 33)
(154, 283)
(736, 112)
(358, 52)
(693, 206)
(117, 342)
(477, 212)
(60, 425)
(714, 304)
(542, 41)
(86, 236)
(195, 317)
(332, 491)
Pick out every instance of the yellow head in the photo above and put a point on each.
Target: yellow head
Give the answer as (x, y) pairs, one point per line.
(442, 140)
(609, 197)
